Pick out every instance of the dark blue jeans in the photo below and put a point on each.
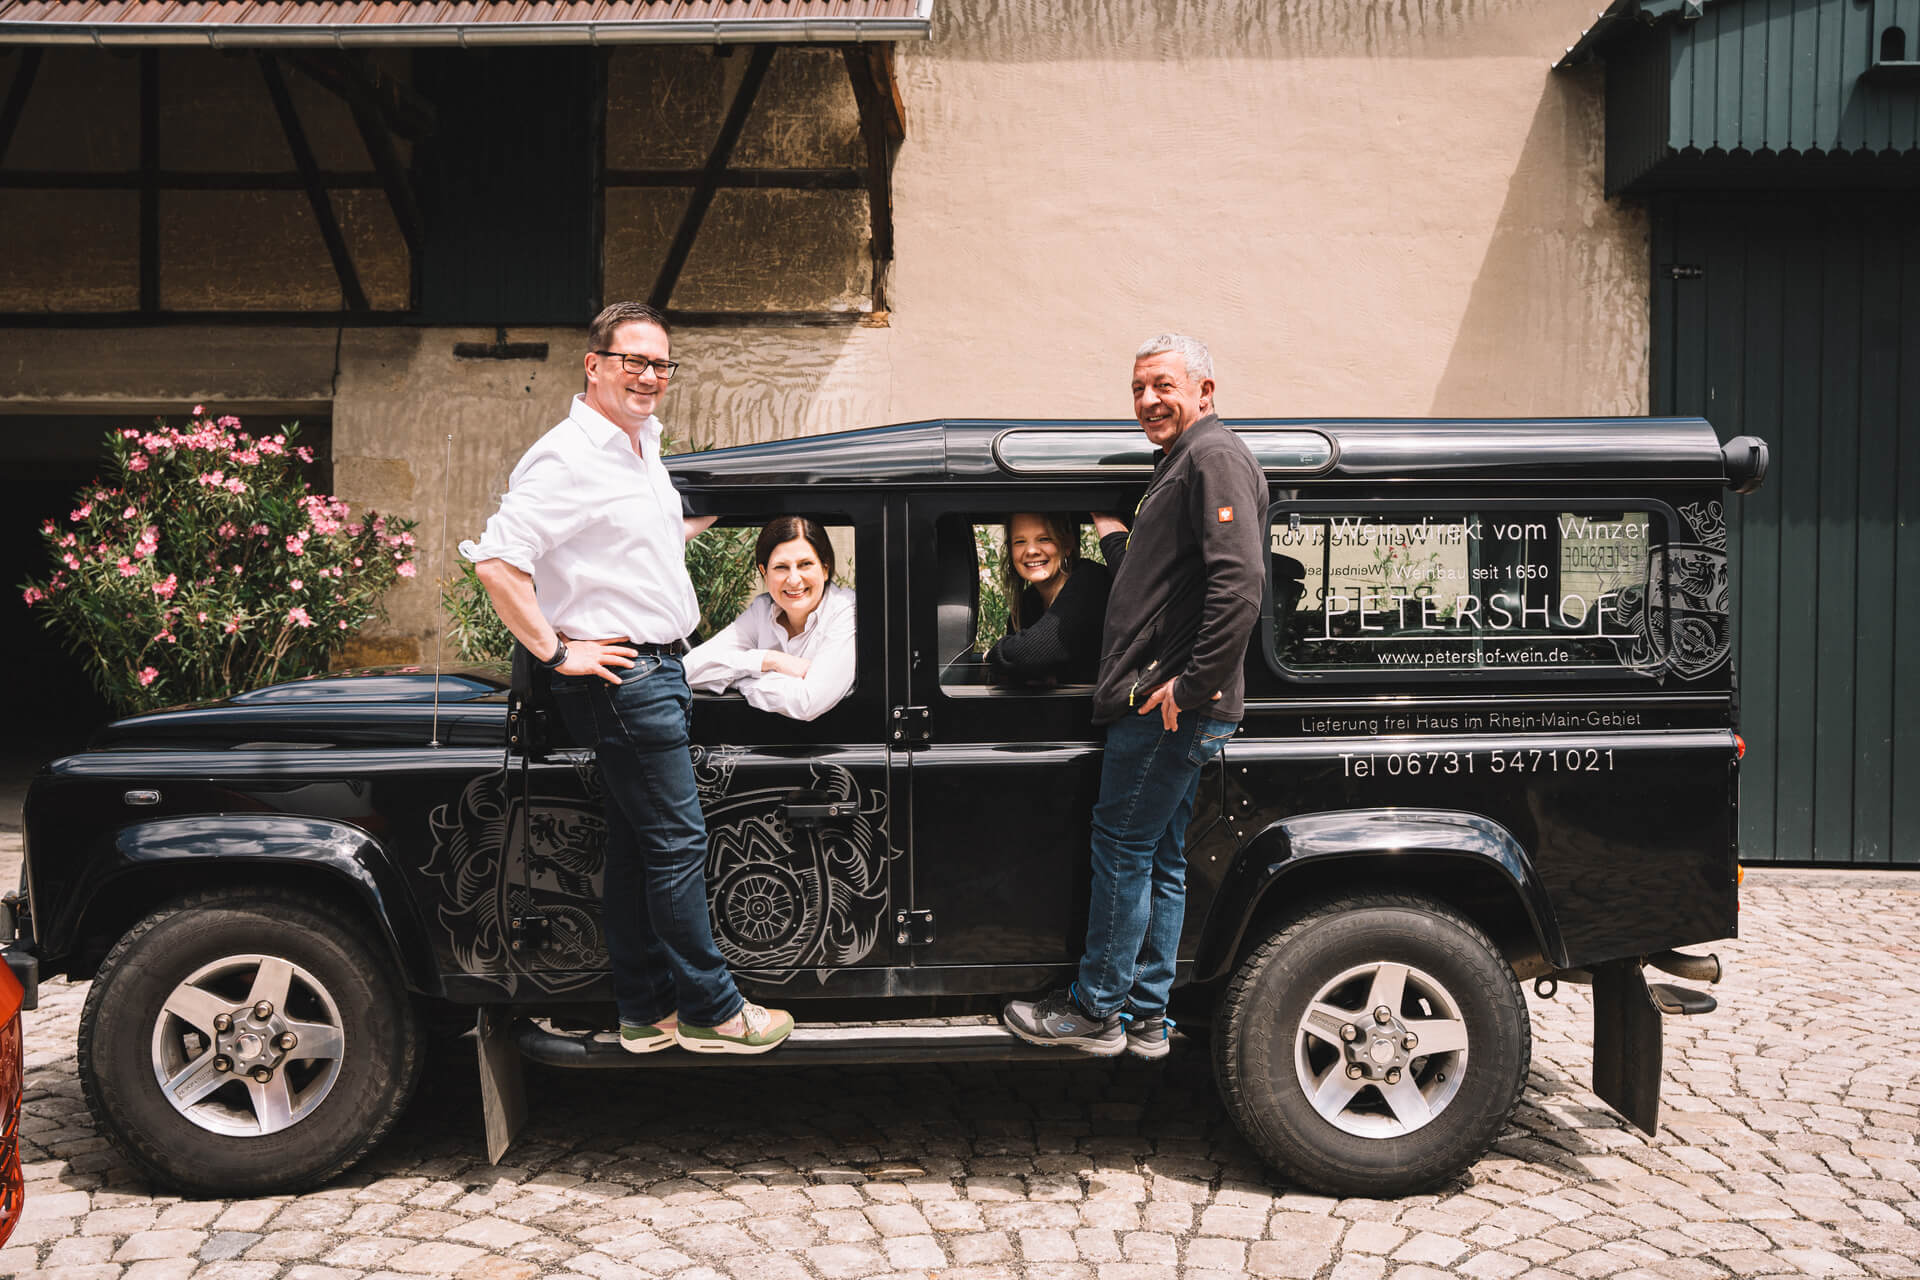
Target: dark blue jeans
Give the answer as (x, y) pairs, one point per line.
(654, 897)
(1148, 779)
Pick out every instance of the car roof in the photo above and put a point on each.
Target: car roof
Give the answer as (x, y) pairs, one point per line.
(978, 450)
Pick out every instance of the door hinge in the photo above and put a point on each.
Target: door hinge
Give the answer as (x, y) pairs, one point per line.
(912, 726)
(913, 928)
(529, 933)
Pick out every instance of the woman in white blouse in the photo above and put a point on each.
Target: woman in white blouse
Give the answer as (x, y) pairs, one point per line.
(791, 650)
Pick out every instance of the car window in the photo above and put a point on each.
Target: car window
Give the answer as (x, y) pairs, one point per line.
(1363, 592)
(976, 597)
(720, 562)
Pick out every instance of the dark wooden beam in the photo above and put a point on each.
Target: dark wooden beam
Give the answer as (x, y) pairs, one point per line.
(167, 319)
(356, 298)
(17, 98)
(773, 179)
(149, 188)
(173, 180)
(702, 197)
(352, 77)
(882, 124)
(393, 175)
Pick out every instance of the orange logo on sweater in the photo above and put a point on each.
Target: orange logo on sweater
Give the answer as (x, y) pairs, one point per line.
(1226, 515)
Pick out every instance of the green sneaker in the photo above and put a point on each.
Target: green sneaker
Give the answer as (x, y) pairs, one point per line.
(650, 1038)
(760, 1030)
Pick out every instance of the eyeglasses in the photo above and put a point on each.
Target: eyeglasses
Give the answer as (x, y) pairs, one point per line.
(662, 369)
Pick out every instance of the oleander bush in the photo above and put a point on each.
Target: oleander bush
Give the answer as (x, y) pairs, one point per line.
(201, 564)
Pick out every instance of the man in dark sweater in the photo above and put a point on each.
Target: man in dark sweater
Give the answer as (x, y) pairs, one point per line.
(1186, 593)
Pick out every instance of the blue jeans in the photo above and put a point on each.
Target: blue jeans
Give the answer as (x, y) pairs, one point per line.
(654, 896)
(1148, 780)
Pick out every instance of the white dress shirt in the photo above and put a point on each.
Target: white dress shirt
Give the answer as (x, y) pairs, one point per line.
(733, 659)
(599, 527)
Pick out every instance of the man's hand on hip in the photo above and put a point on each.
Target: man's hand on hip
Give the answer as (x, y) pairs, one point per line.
(1162, 697)
(592, 658)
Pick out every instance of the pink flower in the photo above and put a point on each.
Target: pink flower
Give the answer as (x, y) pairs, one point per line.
(405, 569)
(127, 568)
(138, 462)
(202, 617)
(343, 624)
(80, 512)
(298, 585)
(212, 479)
(233, 625)
(227, 530)
(199, 410)
(296, 543)
(147, 676)
(303, 453)
(259, 531)
(129, 433)
(129, 513)
(236, 485)
(71, 563)
(165, 588)
(67, 541)
(299, 615)
(167, 636)
(34, 595)
(356, 562)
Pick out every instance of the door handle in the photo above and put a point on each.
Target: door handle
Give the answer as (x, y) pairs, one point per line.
(809, 812)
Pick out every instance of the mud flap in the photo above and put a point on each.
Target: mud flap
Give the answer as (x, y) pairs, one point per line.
(503, 1094)
(1626, 1043)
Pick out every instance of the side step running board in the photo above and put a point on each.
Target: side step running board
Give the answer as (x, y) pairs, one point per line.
(809, 1046)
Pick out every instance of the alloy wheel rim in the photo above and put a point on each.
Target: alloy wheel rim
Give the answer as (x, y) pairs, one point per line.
(248, 1045)
(1381, 1050)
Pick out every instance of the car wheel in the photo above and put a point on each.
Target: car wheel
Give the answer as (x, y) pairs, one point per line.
(1376, 1045)
(247, 1042)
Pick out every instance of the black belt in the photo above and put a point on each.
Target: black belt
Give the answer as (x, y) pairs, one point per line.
(671, 649)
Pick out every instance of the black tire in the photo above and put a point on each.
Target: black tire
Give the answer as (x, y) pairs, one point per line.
(1283, 1061)
(322, 1105)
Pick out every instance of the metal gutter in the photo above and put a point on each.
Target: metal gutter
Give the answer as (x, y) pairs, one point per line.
(473, 34)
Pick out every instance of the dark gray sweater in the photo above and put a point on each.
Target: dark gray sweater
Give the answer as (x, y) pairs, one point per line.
(1187, 579)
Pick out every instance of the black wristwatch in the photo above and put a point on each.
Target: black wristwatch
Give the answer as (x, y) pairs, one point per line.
(559, 655)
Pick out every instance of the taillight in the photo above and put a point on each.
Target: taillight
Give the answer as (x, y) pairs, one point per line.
(12, 1084)
(1739, 747)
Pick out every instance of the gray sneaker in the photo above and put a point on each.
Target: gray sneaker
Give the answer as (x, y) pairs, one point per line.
(1057, 1018)
(1149, 1037)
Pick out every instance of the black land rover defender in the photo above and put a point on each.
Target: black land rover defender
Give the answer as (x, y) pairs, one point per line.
(1489, 739)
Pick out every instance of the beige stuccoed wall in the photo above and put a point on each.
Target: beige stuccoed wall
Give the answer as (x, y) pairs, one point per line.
(1365, 208)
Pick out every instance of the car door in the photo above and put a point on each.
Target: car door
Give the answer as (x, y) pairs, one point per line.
(1003, 778)
(801, 853)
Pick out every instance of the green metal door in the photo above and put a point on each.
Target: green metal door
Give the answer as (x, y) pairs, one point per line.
(1797, 319)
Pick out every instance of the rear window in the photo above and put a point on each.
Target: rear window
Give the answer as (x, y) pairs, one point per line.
(1400, 591)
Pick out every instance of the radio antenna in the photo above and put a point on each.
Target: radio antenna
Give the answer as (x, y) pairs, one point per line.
(440, 574)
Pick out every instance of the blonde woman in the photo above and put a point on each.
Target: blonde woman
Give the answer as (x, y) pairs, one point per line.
(1056, 603)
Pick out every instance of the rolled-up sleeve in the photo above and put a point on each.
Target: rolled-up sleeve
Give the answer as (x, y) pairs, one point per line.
(830, 671)
(731, 656)
(539, 511)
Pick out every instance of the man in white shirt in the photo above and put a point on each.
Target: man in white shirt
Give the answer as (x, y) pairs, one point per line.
(585, 562)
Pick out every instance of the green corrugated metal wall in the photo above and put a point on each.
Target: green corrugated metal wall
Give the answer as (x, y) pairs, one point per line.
(1803, 327)
(1784, 75)
(1806, 80)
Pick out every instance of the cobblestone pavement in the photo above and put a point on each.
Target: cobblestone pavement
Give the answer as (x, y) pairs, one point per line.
(1789, 1148)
